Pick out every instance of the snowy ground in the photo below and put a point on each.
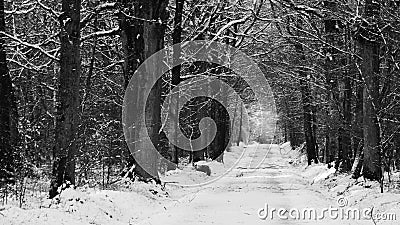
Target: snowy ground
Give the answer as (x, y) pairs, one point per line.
(265, 175)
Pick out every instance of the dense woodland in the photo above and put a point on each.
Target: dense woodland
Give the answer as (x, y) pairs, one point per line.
(64, 66)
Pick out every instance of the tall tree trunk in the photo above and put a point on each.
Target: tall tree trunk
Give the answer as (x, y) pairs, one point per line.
(358, 138)
(223, 126)
(346, 99)
(68, 100)
(345, 135)
(232, 131)
(176, 71)
(155, 16)
(314, 128)
(334, 139)
(133, 47)
(369, 52)
(308, 118)
(306, 96)
(240, 135)
(346, 150)
(131, 37)
(7, 112)
(291, 121)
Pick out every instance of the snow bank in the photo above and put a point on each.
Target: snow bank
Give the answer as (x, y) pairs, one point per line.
(90, 206)
(286, 146)
(358, 193)
(323, 175)
(314, 171)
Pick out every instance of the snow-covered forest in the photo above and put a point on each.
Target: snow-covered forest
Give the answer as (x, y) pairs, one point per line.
(199, 112)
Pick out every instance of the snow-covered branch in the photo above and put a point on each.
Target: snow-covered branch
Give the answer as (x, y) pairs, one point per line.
(102, 33)
(231, 23)
(53, 12)
(37, 47)
(98, 9)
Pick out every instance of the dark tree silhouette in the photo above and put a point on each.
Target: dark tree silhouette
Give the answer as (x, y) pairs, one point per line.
(68, 98)
(7, 112)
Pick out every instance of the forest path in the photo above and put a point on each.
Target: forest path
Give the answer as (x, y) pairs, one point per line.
(237, 197)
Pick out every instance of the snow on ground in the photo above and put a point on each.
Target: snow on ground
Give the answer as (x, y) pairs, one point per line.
(266, 175)
(186, 175)
(90, 206)
(360, 193)
(127, 204)
(357, 193)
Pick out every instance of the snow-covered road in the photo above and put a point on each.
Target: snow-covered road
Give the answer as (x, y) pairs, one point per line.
(238, 197)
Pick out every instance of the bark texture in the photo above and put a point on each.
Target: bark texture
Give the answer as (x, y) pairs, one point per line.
(68, 98)
(8, 116)
(369, 52)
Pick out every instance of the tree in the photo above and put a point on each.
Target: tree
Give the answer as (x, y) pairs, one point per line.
(151, 18)
(176, 71)
(131, 34)
(68, 98)
(306, 96)
(369, 52)
(7, 112)
(338, 136)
